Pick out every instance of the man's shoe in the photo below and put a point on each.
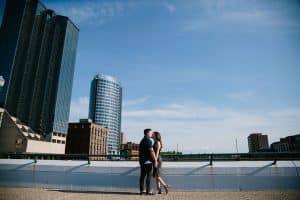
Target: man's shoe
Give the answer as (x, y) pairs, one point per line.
(150, 193)
(159, 191)
(142, 192)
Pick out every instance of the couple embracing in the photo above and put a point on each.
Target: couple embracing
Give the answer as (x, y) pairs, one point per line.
(150, 162)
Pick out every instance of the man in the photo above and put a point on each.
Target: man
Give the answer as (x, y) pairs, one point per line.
(147, 159)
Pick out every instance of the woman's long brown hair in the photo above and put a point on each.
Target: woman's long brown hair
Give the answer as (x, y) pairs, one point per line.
(158, 137)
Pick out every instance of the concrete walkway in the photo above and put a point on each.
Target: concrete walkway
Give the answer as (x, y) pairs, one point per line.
(47, 194)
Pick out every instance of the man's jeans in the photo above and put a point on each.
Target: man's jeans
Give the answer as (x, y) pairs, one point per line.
(146, 170)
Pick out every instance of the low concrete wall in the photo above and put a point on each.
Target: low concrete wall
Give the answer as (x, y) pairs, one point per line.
(123, 175)
(10, 132)
(36, 146)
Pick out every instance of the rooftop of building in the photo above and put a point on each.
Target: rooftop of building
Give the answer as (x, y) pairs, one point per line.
(45, 7)
(86, 121)
(256, 134)
(24, 129)
(107, 77)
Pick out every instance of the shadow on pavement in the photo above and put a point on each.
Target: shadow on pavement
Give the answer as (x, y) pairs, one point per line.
(21, 166)
(259, 170)
(97, 192)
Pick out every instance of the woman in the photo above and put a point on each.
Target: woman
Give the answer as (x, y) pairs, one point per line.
(156, 171)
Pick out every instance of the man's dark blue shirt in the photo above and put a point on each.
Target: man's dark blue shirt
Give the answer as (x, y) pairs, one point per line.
(144, 150)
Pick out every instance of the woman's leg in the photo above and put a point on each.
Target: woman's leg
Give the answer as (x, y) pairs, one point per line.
(166, 186)
(161, 181)
(157, 183)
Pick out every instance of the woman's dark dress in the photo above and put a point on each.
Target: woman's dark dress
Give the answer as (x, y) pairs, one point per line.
(156, 171)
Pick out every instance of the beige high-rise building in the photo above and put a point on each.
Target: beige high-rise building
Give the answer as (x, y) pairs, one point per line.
(123, 138)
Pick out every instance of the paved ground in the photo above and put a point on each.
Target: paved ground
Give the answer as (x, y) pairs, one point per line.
(47, 194)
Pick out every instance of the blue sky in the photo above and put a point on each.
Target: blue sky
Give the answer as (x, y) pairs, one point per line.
(204, 73)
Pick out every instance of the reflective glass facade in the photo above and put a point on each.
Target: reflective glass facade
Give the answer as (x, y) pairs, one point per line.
(65, 78)
(39, 50)
(10, 32)
(105, 108)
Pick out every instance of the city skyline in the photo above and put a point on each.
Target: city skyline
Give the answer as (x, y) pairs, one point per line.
(203, 73)
(38, 50)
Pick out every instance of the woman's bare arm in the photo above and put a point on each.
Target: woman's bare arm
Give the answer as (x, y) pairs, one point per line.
(153, 157)
(158, 148)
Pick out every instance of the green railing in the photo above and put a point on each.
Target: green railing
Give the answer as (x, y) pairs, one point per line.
(212, 157)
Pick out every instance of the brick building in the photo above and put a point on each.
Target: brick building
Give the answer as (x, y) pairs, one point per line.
(129, 150)
(86, 137)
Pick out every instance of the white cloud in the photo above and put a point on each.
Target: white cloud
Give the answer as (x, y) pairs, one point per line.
(205, 128)
(99, 12)
(90, 12)
(242, 15)
(287, 113)
(240, 95)
(84, 100)
(198, 127)
(170, 7)
(79, 109)
(135, 102)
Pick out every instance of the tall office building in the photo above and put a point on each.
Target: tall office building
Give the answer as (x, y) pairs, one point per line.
(258, 142)
(105, 108)
(37, 59)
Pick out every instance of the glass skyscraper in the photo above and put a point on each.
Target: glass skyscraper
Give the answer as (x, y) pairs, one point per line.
(37, 59)
(105, 108)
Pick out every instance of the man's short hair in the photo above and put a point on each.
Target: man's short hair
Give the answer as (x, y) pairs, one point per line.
(147, 130)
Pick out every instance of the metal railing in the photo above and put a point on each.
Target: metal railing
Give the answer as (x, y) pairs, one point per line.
(211, 157)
